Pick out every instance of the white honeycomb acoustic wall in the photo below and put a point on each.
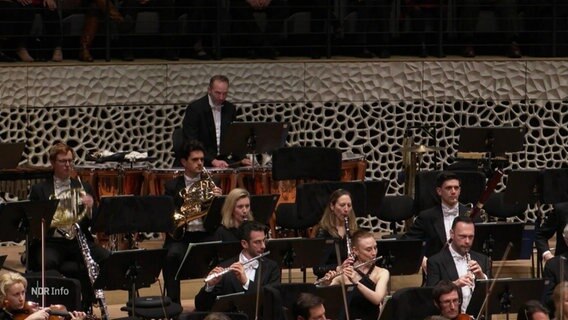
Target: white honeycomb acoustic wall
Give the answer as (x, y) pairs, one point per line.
(363, 107)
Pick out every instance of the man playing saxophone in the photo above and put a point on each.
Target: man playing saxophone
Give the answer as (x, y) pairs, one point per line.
(62, 250)
(192, 159)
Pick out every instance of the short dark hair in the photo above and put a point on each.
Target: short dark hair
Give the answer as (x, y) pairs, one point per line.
(249, 226)
(445, 176)
(529, 308)
(189, 146)
(464, 219)
(218, 77)
(445, 287)
(304, 303)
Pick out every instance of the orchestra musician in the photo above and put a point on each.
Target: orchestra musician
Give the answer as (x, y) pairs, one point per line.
(192, 159)
(370, 281)
(308, 307)
(457, 262)
(532, 310)
(241, 275)
(63, 253)
(560, 297)
(14, 306)
(433, 225)
(553, 224)
(552, 273)
(332, 226)
(235, 211)
(448, 299)
(207, 119)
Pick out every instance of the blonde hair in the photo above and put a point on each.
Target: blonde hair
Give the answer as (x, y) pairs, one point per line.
(229, 206)
(59, 148)
(560, 291)
(328, 220)
(9, 279)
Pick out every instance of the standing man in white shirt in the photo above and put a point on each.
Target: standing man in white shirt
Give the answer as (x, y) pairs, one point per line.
(457, 262)
(207, 119)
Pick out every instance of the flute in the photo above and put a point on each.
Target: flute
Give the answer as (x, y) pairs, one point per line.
(360, 265)
(227, 270)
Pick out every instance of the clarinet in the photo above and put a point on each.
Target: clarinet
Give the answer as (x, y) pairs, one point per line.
(92, 270)
(348, 238)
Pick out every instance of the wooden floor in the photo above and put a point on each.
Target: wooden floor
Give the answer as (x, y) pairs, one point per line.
(189, 288)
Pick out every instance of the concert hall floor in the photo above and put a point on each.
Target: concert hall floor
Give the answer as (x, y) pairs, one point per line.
(117, 299)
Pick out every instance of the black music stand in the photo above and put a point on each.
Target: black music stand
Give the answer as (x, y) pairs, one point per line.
(127, 214)
(200, 258)
(293, 253)
(522, 187)
(554, 185)
(495, 140)
(508, 294)
(214, 216)
(492, 239)
(130, 270)
(254, 137)
(240, 302)
(400, 257)
(11, 154)
(262, 207)
(22, 220)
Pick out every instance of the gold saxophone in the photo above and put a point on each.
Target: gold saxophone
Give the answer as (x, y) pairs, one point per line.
(70, 210)
(196, 200)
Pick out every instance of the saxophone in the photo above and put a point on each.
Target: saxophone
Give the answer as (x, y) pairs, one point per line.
(92, 270)
(196, 199)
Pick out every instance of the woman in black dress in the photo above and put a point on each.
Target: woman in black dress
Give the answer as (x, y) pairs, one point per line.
(236, 209)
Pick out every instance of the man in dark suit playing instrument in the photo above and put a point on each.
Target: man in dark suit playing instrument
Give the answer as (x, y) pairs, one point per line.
(207, 119)
(243, 274)
(553, 224)
(62, 251)
(433, 225)
(457, 263)
(552, 273)
(192, 158)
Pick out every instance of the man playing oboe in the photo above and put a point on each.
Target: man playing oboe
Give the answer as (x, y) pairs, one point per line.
(243, 273)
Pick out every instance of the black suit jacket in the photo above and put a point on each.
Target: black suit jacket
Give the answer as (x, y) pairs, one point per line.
(172, 189)
(553, 224)
(271, 274)
(198, 123)
(552, 277)
(441, 266)
(44, 190)
(429, 226)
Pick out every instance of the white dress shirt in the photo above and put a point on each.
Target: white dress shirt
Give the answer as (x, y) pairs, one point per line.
(449, 215)
(462, 268)
(216, 109)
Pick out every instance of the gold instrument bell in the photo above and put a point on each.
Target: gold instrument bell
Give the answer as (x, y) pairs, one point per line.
(196, 201)
(70, 210)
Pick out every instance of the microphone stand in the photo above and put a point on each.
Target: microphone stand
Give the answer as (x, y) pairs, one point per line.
(258, 286)
(343, 290)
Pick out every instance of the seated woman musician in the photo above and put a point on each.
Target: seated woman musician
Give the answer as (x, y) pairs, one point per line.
(370, 281)
(14, 305)
(235, 211)
(338, 220)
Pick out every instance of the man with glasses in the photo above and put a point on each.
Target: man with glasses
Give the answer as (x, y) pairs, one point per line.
(62, 251)
(448, 299)
(243, 274)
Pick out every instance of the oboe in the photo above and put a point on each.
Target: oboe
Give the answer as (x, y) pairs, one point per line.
(227, 270)
(355, 267)
(348, 238)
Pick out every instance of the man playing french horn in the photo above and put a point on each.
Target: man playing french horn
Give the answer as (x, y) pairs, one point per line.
(188, 191)
(62, 250)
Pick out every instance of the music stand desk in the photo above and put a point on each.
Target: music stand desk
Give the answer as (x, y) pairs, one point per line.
(496, 140)
(253, 137)
(262, 207)
(333, 299)
(11, 154)
(200, 258)
(403, 256)
(241, 301)
(521, 186)
(522, 290)
(502, 233)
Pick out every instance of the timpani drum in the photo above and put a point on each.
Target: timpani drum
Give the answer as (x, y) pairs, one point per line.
(257, 181)
(113, 182)
(155, 180)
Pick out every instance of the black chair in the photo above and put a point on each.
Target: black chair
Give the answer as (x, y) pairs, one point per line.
(396, 209)
(155, 307)
(496, 207)
(414, 303)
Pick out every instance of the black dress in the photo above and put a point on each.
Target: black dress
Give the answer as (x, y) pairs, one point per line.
(328, 259)
(226, 234)
(359, 306)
